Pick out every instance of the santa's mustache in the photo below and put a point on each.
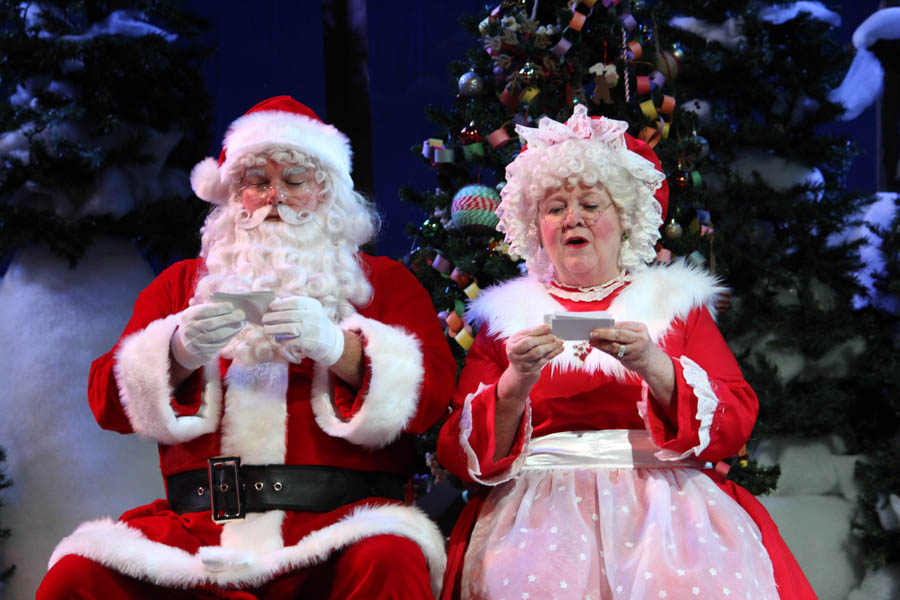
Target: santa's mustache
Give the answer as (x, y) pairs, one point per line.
(247, 220)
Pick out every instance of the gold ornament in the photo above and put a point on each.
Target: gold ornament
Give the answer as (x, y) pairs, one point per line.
(672, 229)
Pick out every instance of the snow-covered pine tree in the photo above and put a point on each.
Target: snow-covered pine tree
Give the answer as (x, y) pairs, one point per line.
(103, 114)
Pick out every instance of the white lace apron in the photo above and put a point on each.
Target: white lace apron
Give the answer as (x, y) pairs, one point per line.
(595, 515)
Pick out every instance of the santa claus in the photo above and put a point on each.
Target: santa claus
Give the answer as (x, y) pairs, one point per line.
(283, 374)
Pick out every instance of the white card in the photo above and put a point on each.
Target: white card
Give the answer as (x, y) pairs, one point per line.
(578, 326)
(254, 304)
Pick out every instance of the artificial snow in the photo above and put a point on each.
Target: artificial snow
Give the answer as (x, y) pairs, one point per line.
(53, 322)
(813, 506)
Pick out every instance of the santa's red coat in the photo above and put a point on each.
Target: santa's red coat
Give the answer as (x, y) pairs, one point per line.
(270, 414)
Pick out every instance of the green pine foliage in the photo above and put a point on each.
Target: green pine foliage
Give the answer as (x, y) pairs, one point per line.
(5, 482)
(89, 87)
(878, 479)
(758, 196)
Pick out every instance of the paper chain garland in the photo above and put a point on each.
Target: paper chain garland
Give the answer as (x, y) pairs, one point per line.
(455, 318)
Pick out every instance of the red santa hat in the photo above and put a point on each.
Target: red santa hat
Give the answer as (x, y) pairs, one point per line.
(277, 123)
(644, 150)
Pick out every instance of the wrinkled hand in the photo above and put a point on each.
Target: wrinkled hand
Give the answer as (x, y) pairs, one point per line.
(302, 327)
(204, 330)
(530, 349)
(630, 343)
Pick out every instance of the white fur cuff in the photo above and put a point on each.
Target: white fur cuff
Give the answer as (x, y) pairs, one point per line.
(393, 395)
(142, 375)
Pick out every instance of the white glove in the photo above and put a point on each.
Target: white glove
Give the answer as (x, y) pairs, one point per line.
(301, 326)
(205, 329)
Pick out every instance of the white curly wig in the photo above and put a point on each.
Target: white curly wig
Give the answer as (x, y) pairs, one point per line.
(591, 152)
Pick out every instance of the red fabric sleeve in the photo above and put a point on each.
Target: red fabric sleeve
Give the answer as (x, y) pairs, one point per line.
(167, 294)
(677, 427)
(401, 301)
(485, 362)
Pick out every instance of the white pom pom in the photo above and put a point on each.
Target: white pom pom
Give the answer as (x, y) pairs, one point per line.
(206, 182)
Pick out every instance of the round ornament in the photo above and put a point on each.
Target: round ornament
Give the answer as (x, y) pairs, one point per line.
(682, 180)
(470, 84)
(701, 147)
(527, 73)
(431, 228)
(677, 51)
(474, 205)
(672, 229)
(469, 134)
(667, 64)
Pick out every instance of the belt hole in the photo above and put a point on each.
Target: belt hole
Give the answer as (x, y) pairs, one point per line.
(277, 486)
(223, 487)
(200, 491)
(258, 486)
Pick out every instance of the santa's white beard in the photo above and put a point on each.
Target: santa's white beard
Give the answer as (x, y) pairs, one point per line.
(290, 260)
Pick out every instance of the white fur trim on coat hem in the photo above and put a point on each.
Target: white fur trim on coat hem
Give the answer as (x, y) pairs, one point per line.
(465, 432)
(142, 375)
(128, 551)
(392, 399)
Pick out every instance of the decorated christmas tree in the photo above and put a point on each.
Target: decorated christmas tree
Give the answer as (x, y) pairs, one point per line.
(96, 137)
(733, 97)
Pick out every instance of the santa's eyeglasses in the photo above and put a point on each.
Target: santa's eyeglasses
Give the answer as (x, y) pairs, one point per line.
(291, 190)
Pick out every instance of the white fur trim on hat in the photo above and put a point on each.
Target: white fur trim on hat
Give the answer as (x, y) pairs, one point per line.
(267, 129)
(264, 129)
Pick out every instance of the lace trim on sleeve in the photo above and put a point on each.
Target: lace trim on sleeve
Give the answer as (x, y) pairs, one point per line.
(465, 432)
(707, 402)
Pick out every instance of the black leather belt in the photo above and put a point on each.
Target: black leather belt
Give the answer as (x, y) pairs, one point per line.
(238, 489)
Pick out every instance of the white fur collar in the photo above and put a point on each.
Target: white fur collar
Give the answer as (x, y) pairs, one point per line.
(656, 296)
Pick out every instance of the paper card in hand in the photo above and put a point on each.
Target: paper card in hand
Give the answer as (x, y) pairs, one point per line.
(254, 304)
(578, 326)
